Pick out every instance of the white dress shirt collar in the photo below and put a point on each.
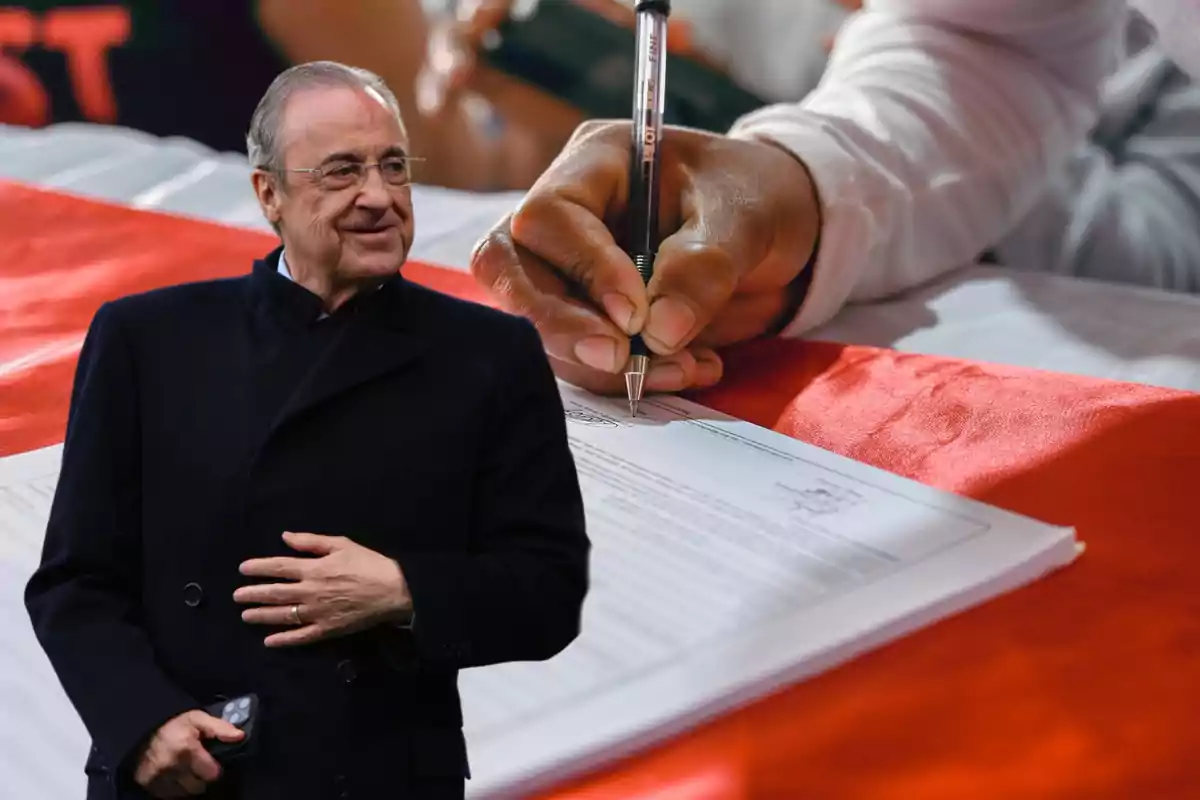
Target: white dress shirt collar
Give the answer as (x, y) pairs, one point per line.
(286, 272)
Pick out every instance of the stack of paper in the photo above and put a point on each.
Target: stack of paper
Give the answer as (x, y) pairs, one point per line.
(729, 560)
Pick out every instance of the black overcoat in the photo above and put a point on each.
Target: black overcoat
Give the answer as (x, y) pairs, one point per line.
(208, 418)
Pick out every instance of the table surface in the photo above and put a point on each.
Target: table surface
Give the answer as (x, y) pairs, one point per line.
(1082, 685)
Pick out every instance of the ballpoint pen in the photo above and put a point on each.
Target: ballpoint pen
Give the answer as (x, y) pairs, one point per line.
(649, 88)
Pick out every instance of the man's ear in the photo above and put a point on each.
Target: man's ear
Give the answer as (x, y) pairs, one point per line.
(267, 190)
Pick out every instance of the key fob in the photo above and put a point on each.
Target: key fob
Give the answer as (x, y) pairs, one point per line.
(242, 712)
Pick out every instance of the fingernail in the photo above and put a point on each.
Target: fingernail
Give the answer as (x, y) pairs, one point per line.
(670, 321)
(708, 370)
(619, 309)
(666, 376)
(597, 352)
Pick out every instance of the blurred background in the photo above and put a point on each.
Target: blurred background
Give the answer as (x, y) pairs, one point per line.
(490, 89)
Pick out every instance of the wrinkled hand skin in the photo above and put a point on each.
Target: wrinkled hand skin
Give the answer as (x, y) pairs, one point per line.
(739, 221)
(175, 763)
(345, 588)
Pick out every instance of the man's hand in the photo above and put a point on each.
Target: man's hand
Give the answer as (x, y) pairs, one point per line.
(175, 763)
(535, 123)
(739, 220)
(347, 588)
(454, 81)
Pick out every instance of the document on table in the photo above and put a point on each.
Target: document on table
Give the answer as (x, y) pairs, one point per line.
(728, 560)
(27, 484)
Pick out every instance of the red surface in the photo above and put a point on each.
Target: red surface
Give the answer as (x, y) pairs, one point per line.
(1085, 684)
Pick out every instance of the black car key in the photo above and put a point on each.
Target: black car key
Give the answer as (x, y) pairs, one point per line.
(241, 712)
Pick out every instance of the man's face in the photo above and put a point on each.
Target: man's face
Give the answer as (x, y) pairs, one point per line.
(354, 230)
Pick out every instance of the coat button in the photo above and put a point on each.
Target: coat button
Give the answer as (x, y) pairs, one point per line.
(347, 670)
(192, 595)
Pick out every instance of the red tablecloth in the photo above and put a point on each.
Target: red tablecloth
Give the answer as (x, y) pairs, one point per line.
(1086, 684)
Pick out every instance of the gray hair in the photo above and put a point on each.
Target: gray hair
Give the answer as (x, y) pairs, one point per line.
(262, 142)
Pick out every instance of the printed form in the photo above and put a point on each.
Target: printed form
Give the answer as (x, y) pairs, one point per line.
(728, 561)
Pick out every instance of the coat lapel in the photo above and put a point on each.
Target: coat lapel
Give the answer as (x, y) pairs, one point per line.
(376, 342)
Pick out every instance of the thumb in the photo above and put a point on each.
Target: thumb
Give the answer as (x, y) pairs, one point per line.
(721, 237)
(211, 727)
(695, 276)
(750, 218)
(311, 543)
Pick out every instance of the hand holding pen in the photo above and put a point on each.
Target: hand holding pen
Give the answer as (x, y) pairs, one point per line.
(648, 107)
(737, 224)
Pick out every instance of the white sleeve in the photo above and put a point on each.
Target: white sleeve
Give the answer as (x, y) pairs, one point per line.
(1178, 26)
(1124, 208)
(934, 129)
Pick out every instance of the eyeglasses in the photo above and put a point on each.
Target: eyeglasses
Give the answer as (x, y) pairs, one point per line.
(341, 175)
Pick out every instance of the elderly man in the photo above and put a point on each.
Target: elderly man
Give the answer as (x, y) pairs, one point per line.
(318, 483)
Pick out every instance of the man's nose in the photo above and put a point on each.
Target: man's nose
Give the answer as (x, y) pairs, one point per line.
(374, 192)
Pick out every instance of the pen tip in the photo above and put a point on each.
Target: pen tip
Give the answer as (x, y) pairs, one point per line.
(634, 382)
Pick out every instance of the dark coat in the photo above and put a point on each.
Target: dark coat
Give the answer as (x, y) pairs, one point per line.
(429, 429)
